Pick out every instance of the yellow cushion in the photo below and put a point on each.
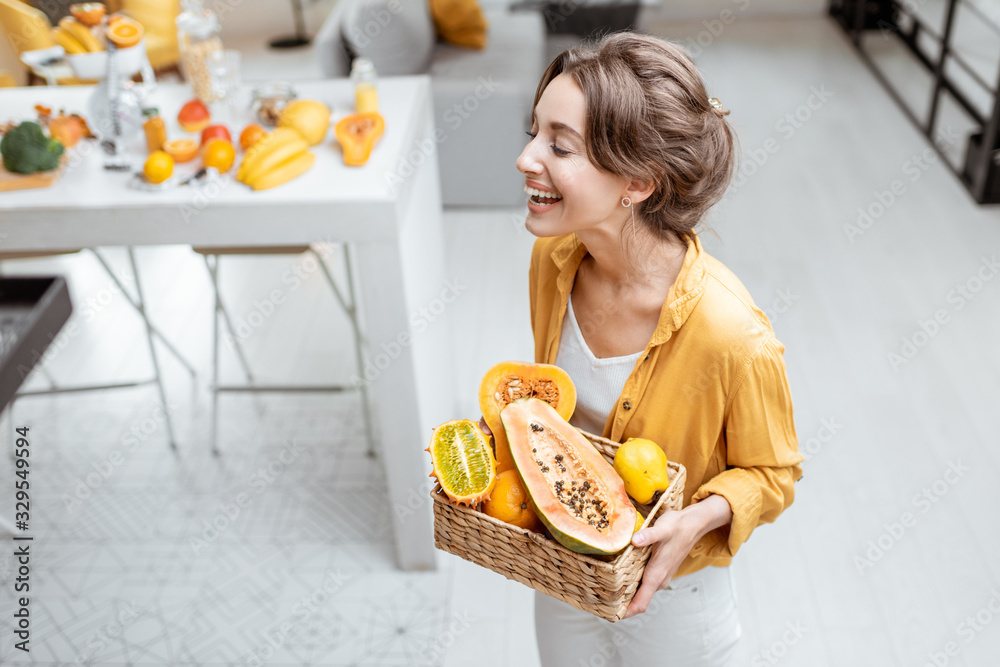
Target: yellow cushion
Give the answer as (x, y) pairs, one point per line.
(460, 22)
(158, 19)
(25, 27)
(162, 51)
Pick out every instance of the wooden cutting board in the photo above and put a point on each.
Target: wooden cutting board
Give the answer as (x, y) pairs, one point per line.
(42, 179)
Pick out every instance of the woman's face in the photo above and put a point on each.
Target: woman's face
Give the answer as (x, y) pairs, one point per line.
(555, 161)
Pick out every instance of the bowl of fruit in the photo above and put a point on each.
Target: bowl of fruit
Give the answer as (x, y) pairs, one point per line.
(85, 36)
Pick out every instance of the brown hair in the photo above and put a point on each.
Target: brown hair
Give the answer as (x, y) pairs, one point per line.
(649, 119)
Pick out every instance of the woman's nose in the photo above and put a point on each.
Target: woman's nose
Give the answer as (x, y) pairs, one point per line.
(527, 162)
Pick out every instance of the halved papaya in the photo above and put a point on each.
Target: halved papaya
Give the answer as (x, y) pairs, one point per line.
(510, 380)
(573, 489)
(462, 461)
(357, 135)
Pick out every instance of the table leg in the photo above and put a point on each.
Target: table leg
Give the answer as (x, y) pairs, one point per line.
(405, 297)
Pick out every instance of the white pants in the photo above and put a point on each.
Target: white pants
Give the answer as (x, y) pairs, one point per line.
(692, 623)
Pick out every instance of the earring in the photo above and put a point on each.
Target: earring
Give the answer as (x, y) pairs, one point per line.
(626, 202)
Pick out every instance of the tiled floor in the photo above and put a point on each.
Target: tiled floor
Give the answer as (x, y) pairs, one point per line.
(136, 561)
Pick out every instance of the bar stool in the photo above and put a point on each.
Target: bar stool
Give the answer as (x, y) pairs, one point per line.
(139, 305)
(346, 298)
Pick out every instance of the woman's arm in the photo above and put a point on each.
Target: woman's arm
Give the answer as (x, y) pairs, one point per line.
(762, 465)
(672, 536)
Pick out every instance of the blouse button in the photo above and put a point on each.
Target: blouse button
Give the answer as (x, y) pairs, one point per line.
(627, 405)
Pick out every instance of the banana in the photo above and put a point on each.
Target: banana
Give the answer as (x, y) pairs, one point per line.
(263, 148)
(284, 153)
(286, 171)
(275, 157)
(70, 44)
(81, 33)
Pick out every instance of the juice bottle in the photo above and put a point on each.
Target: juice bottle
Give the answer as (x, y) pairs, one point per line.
(155, 129)
(365, 91)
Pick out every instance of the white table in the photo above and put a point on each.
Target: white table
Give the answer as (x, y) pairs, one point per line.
(393, 224)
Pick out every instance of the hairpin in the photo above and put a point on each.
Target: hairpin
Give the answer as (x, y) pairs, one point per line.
(714, 101)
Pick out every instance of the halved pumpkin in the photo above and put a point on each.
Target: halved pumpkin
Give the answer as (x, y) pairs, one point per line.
(573, 489)
(510, 380)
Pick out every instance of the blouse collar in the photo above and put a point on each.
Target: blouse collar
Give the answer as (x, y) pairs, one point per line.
(683, 296)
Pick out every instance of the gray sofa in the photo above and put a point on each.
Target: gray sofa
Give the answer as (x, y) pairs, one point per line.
(482, 99)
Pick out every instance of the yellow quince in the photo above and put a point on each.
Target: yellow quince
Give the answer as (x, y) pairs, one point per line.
(642, 465)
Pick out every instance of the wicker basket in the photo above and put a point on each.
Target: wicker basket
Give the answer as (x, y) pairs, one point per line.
(599, 586)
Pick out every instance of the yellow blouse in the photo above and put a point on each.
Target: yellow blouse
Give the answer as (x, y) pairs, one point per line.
(710, 389)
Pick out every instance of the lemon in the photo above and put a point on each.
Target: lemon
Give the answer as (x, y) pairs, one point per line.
(642, 465)
(159, 167)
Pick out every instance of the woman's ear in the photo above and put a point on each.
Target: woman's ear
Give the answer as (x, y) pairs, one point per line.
(639, 191)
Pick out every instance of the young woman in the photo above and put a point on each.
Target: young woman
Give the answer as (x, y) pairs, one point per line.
(627, 153)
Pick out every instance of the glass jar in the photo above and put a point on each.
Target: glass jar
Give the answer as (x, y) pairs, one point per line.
(198, 37)
(365, 80)
(268, 101)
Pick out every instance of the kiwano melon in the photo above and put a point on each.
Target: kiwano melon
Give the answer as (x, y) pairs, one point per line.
(463, 462)
(574, 490)
(510, 380)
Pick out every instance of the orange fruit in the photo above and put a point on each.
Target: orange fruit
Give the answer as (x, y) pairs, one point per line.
(125, 32)
(181, 150)
(250, 135)
(159, 167)
(218, 153)
(88, 13)
(509, 502)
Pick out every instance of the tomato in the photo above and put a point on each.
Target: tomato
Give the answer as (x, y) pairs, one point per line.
(215, 132)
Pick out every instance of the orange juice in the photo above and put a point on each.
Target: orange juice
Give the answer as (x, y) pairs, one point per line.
(366, 97)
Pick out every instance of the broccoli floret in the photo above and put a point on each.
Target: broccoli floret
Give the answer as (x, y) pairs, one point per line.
(26, 149)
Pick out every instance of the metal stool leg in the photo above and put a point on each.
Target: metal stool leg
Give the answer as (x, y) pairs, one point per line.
(220, 309)
(350, 307)
(137, 306)
(141, 307)
(213, 271)
(215, 358)
(360, 343)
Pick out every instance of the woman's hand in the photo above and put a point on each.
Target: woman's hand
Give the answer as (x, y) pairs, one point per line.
(485, 427)
(672, 537)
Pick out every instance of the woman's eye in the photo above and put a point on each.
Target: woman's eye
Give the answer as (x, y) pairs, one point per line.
(555, 149)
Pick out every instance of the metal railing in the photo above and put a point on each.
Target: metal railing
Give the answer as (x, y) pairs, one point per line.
(980, 170)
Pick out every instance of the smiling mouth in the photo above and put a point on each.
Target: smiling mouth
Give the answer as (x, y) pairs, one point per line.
(542, 197)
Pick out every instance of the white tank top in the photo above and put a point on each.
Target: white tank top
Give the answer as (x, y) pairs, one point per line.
(599, 382)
